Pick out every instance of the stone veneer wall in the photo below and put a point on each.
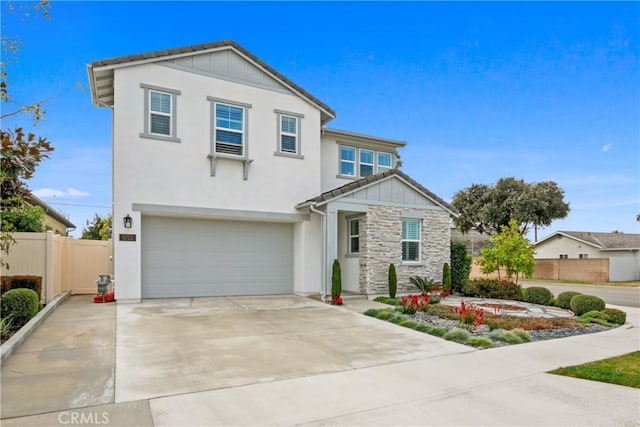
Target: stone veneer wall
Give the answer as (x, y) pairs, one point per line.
(380, 245)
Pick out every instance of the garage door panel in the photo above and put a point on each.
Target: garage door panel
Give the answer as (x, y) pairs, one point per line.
(194, 257)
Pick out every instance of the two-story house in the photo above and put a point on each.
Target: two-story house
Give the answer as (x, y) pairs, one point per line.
(232, 185)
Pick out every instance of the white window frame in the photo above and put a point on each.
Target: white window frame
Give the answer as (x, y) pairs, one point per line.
(290, 134)
(382, 168)
(241, 132)
(173, 123)
(353, 236)
(583, 256)
(354, 162)
(564, 256)
(361, 163)
(418, 240)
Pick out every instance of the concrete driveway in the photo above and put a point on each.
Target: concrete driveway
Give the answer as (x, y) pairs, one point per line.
(174, 346)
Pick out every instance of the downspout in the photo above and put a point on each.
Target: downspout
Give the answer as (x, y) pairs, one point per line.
(323, 285)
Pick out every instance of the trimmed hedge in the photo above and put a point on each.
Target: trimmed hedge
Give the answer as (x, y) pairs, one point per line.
(489, 288)
(8, 283)
(615, 316)
(538, 295)
(581, 304)
(564, 299)
(19, 306)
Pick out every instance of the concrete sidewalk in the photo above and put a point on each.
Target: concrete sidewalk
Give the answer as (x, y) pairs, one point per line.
(500, 386)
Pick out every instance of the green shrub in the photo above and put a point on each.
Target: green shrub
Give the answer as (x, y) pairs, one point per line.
(446, 278)
(480, 342)
(538, 295)
(336, 280)
(386, 300)
(408, 323)
(509, 337)
(457, 335)
(19, 282)
(615, 316)
(581, 304)
(393, 281)
(595, 316)
(423, 284)
(434, 299)
(422, 327)
(373, 312)
(460, 266)
(19, 306)
(490, 288)
(385, 314)
(564, 299)
(437, 331)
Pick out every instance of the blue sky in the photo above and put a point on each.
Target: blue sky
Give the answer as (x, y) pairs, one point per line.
(480, 91)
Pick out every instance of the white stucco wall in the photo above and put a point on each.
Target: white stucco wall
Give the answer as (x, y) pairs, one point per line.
(557, 245)
(150, 171)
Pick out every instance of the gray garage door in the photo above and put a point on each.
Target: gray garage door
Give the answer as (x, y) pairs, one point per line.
(196, 257)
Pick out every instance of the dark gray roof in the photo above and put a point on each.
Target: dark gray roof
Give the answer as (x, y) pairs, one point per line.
(48, 210)
(354, 185)
(204, 46)
(605, 241)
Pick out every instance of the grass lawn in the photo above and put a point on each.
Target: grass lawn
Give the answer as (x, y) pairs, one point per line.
(621, 370)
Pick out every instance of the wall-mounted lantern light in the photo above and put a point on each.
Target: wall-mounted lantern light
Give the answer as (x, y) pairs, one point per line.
(128, 221)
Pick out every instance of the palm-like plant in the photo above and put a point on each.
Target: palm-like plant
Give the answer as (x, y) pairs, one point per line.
(423, 284)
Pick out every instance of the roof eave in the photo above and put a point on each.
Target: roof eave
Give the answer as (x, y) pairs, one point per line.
(371, 138)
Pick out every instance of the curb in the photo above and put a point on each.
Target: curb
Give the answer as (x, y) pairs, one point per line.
(9, 346)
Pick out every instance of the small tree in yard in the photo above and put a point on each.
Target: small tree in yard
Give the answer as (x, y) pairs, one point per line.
(460, 265)
(336, 283)
(393, 281)
(510, 251)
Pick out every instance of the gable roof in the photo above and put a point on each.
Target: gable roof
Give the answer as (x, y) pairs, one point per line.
(602, 241)
(350, 187)
(49, 211)
(101, 72)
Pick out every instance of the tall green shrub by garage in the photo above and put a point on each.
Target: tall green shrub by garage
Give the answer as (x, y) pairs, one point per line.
(336, 280)
(19, 306)
(446, 277)
(460, 266)
(393, 281)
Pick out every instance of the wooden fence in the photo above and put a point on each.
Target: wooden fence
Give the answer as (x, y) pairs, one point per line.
(64, 263)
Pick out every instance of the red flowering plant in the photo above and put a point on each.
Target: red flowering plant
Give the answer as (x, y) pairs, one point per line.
(336, 300)
(470, 314)
(412, 303)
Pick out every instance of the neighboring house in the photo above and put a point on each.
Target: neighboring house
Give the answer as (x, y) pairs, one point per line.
(235, 186)
(621, 249)
(53, 220)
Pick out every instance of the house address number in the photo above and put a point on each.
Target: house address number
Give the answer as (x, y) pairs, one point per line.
(127, 237)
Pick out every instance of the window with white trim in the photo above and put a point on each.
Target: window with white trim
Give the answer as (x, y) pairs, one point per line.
(564, 256)
(288, 134)
(583, 256)
(160, 112)
(366, 163)
(347, 161)
(354, 236)
(411, 237)
(384, 161)
(229, 129)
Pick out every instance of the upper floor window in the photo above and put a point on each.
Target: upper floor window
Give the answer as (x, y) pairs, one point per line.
(288, 134)
(229, 129)
(160, 113)
(354, 236)
(366, 163)
(411, 238)
(361, 162)
(384, 161)
(347, 161)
